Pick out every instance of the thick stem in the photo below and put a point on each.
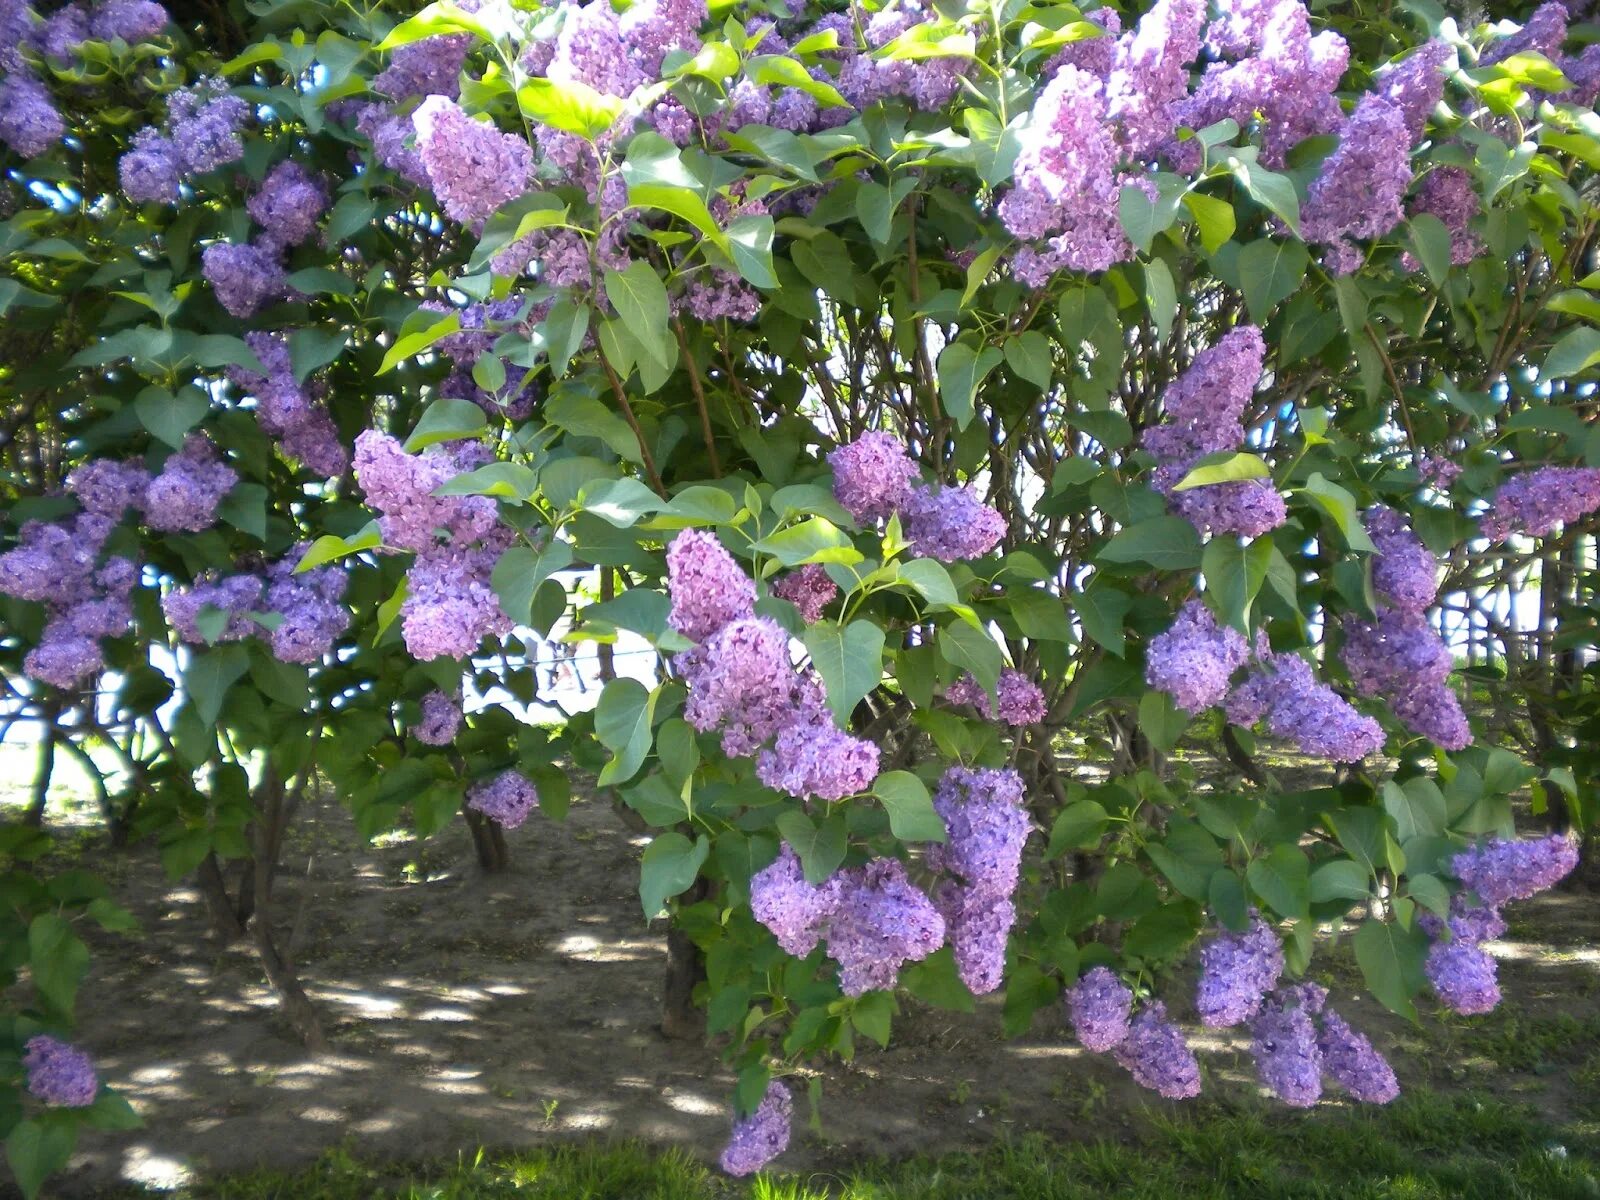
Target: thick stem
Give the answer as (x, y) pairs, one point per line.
(41, 778)
(267, 832)
(686, 967)
(226, 923)
(699, 398)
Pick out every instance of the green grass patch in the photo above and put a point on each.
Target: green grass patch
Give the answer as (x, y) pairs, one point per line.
(1425, 1146)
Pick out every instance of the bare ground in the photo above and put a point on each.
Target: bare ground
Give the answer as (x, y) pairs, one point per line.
(514, 1009)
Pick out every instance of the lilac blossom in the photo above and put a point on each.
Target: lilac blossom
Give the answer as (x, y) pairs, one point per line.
(132, 21)
(1404, 570)
(289, 203)
(742, 680)
(59, 1073)
(246, 277)
(203, 122)
(231, 601)
(1021, 699)
(1500, 871)
(288, 409)
(1358, 192)
(184, 497)
(508, 798)
(54, 561)
(400, 487)
(725, 295)
(1099, 1006)
(1542, 33)
(708, 587)
(430, 67)
(977, 924)
(1157, 1056)
(951, 523)
(391, 137)
(762, 1136)
(1537, 501)
(590, 50)
(809, 589)
(441, 720)
(473, 167)
(108, 487)
(882, 920)
(1320, 722)
(815, 758)
(62, 32)
(1150, 77)
(795, 911)
(1449, 194)
(1463, 976)
(1237, 970)
(150, 171)
(450, 606)
(1402, 659)
(872, 476)
(29, 122)
(985, 827)
(1349, 1058)
(652, 29)
(1415, 85)
(69, 649)
(310, 605)
(1288, 1060)
(1438, 470)
(1096, 55)
(1195, 658)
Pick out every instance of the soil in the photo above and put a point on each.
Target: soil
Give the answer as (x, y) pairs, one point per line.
(466, 1010)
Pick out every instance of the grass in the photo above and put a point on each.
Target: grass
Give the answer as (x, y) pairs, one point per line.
(1425, 1146)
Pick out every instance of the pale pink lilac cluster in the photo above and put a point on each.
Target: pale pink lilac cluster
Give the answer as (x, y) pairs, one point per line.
(1195, 659)
(292, 412)
(763, 1135)
(441, 720)
(1205, 408)
(59, 1074)
(1536, 502)
(1021, 700)
(450, 605)
(809, 589)
(1100, 1007)
(985, 828)
(1237, 970)
(508, 798)
(1282, 690)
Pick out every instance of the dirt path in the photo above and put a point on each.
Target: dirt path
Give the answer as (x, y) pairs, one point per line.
(510, 1010)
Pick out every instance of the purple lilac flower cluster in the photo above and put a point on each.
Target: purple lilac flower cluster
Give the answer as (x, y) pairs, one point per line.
(1535, 502)
(201, 134)
(1399, 656)
(741, 679)
(1282, 689)
(985, 828)
(1448, 193)
(450, 606)
(874, 478)
(1360, 188)
(184, 496)
(441, 720)
(1151, 1048)
(473, 167)
(507, 798)
(57, 564)
(481, 326)
(246, 277)
(763, 1135)
(809, 589)
(1194, 660)
(291, 412)
(1205, 409)
(59, 1073)
(430, 67)
(1496, 871)
(1237, 970)
(1297, 1039)
(302, 614)
(1100, 1007)
(288, 204)
(872, 917)
(1438, 470)
(1021, 699)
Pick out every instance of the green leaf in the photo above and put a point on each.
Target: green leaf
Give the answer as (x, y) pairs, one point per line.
(1340, 506)
(1169, 543)
(749, 241)
(1340, 879)
(329, 548)
(1270, 272)
(621, 502)
(937, 981)
(1028, 355)
(570, 106)
(640, 299)
(1283, 880)
(1273, 191)
(1079, 826)
(929, 578)
(446, 420)
(815, 540)
(821, 847)
(520, 571)
(312, 349)
(622, 723)
(668, 868)
(1160, 296)
(586, 416)
(1224, 467)
(1101, 609)
(850, 661)
(170, 417)
(1164, 934)
(57, 959)
(1040, 615)
(1143, 218)
(1391, 961)
(911, 814)
(1234, 575)
(409, 345)
(971, 649)
(1161, 721)
(875, 208)
(563, 331)
(1576, 351)
(1417, 806)
(1430, 242)
(37, 1150)
(1213, 218)
(209, 676)
(872, 1015)
(961, 369)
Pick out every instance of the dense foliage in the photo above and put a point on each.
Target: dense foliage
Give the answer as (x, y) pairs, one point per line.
(923, 384)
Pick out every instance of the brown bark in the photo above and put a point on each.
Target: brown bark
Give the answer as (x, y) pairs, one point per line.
(226, 922)
(272, 811)
(686, 967)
